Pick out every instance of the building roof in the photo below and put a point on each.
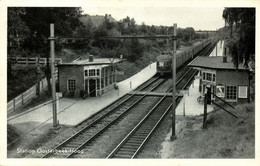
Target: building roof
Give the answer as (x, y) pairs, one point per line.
(96, 61)
(96, 20)
(215, 62)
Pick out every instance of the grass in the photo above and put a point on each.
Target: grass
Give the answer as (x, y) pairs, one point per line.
(12, 135)
(225, 137)
(131, 68)
(23, 77)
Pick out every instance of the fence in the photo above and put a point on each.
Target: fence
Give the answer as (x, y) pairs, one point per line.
(32, 61)
(20, 100)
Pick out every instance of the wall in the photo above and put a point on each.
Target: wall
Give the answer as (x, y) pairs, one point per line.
(71, 72)
(233, 77)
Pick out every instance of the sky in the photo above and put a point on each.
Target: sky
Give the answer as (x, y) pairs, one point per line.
(200, 18)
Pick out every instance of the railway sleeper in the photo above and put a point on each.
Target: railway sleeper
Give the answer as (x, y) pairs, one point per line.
(121, 156)
(126, 151)
(141, 133)
(137, 142)
(132, 144)
(137, 138)
(129, 147)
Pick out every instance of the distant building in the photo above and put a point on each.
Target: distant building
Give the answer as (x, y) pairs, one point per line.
(224, 80)
(96, 21)
(83, 78)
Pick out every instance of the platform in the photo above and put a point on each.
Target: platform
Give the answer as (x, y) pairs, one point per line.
(72, 111)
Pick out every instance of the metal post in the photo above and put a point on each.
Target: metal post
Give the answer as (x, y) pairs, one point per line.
(205, 110)
(217, 49)
(173, 136)
(54, 105)
(183, 104)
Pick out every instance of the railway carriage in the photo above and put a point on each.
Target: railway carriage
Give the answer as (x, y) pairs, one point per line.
(164, 61)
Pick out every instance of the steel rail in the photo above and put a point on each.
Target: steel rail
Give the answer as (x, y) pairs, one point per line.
(99, 119)
(118, 104)
(143, 120)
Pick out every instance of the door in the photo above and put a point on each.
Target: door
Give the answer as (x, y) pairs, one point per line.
(92, 88)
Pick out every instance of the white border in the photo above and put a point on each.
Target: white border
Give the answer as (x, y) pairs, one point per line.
(117, 3)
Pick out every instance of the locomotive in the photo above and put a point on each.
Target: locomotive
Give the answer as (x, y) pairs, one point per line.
(164, 61)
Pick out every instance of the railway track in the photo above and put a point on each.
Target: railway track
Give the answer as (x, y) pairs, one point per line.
(90, 130)
(133, 143)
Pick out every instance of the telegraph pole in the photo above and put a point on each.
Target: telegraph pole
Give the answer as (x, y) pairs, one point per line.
(54, 105)
(173, 136)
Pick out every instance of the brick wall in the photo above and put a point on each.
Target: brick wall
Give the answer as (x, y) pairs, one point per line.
(71, 72)
(233, 77)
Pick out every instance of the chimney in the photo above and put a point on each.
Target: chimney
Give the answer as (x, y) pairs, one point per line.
(225, 55)
(91, 59)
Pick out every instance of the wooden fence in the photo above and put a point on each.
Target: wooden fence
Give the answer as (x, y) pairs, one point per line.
(20, 100)
(32, 61)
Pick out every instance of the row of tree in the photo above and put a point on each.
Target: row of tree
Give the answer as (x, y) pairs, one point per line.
(28, 29)
(242, 42)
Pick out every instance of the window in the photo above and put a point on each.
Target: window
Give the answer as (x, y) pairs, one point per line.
(209, 77)
(98, 84)
(106, 81)
(71, 85)
(92, 72)
(102, 83)
(242, 93)
(231, 92)
(102, 72)
(98, 71)
(204, 76)
(86, 72)
(110, 79)
(161, 64)
(214, 78)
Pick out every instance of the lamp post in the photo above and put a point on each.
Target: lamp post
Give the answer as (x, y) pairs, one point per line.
(173, 136)
(54, 104)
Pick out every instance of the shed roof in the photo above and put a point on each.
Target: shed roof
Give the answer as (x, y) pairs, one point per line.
(96, 61)
(215, 62)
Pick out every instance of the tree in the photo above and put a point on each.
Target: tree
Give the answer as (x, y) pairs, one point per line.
(143, 28)
(241, 45)
(17, 33)
(38, 19)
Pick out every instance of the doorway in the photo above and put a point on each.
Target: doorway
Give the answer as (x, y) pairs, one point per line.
(92, 88)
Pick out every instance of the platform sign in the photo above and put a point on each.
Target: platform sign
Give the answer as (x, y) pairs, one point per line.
(242, 93)
(220, 91)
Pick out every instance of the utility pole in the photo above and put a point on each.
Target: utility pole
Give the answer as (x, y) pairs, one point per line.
(54, 104)
(173, 136)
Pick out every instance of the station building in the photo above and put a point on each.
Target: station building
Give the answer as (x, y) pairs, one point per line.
(224, 80)
(87, 78)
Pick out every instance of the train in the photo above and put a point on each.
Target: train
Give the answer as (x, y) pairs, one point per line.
(164, 61)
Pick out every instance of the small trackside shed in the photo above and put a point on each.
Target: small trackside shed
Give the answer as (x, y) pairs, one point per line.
(87, 78)
(224, 80)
